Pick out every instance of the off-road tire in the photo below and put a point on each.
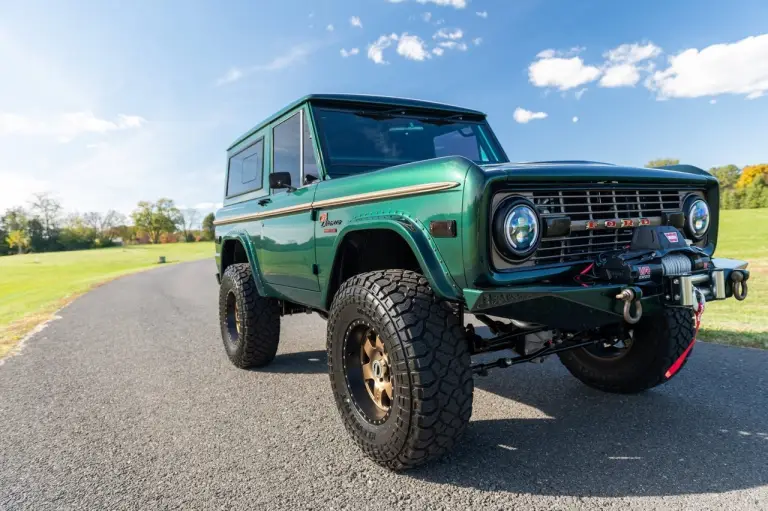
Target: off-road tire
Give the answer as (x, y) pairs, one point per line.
(256, 343)
(430, 361)
(659, 341)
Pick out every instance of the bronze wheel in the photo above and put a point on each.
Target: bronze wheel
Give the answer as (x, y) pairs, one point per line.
(234, 319)
(250, 324)
(399, 366)
(369, 374)
(611, 350)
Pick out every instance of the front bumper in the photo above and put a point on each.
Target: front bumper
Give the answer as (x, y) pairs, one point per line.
(573, 307)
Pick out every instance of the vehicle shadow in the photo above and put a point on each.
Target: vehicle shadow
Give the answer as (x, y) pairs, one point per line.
(303, 362)
(707, 431)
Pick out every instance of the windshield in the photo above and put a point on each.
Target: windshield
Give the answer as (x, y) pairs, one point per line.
(355, 142)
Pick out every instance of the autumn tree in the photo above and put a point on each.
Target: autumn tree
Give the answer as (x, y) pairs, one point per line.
(18, 239)
(662, 162)
(752, 173)
(156, 218)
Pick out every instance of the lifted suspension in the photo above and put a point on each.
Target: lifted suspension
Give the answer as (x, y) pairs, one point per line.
(549, 349)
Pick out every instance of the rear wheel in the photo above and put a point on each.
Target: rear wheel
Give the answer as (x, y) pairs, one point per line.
(399, 367)
(250, 323)
(657, 349)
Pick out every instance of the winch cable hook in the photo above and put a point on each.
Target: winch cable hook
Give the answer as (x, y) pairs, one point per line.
(628, 296)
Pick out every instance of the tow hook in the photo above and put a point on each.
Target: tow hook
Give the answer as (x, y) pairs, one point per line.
(739, 285)
(629, 296)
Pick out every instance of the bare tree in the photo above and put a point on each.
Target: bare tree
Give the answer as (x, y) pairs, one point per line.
(106, 223)
(47, 209)
(188, 220)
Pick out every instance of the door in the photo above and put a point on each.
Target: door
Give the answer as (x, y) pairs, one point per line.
(287, 248)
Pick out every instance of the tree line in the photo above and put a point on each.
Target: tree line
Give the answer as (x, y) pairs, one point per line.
(740, 188)
(43, 227)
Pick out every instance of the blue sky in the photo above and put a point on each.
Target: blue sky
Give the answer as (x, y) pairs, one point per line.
(105, 103)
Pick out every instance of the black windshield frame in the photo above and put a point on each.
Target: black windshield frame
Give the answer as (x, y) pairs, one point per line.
(482, 131)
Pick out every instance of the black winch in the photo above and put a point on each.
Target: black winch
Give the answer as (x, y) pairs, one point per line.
(659, 261)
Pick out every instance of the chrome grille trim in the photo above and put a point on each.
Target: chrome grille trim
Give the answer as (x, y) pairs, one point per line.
(597, 203)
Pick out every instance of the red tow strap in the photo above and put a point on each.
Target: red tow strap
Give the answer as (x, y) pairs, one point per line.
(679, 362)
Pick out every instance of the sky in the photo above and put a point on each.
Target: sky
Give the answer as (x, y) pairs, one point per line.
(106, 103)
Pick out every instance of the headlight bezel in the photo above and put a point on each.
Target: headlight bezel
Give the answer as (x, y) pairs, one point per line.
(499, 223)
(689, 204)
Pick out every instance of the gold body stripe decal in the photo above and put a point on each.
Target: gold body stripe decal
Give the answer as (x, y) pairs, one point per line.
(341, 201)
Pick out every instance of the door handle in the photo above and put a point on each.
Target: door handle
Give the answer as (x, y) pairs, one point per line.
(264, 202)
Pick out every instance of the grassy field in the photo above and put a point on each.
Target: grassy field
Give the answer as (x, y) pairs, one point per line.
(33, 286)
(743, 235)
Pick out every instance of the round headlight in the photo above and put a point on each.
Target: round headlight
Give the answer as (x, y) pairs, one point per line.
(517, 229)
(697, 218)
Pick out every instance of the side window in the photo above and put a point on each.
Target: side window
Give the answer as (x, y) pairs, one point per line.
(245, 170)
(310, 165)
(286, 149)
(458, 143)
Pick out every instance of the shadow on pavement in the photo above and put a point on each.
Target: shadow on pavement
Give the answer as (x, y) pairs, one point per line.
(688, 439)
(305, 362)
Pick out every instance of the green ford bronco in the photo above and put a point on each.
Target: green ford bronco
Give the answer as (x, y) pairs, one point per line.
(393, 218)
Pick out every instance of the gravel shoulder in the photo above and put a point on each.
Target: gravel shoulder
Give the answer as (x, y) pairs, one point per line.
(128, 401)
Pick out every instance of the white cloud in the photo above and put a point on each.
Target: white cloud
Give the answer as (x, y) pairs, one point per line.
(349, 53)
(736, 68)
(482, 14)
(426, 16)
(456, 4)
(575, 119)
(563, 73)
(712, 101)
(294, 55)
(329, 28)
(65, 126)
(621, 70)
(524, 116)
(355, 22)
(623, 75)
(632, 53)
(477, 41)
(449, 33)
(438, 51)
(233, 75)
(412, 47)
(453, 45)
(546, 54)
(579, 93)
(376, 49)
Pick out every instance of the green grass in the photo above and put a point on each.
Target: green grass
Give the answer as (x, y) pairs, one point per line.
(743, 235)
(34, 286)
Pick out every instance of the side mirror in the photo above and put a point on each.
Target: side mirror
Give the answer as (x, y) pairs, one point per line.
(279, 180)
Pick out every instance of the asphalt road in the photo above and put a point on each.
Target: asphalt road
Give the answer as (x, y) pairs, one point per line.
(129, 402)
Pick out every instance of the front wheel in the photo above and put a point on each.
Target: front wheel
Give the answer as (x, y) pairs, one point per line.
(657, 349)
(399, 367)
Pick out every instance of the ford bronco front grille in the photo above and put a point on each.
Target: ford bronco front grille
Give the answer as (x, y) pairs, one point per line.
(601, 219)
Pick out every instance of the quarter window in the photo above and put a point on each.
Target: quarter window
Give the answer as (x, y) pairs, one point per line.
(246, 170)
(287, 149)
